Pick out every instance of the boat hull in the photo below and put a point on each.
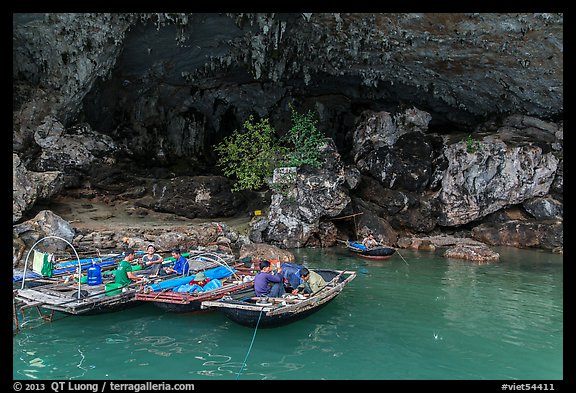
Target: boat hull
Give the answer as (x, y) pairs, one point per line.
(119, 306)
(253, 318)
(192, 306)
(378, 257)
(184, 302)
(252, 311)
(92, 301)
(381, 253)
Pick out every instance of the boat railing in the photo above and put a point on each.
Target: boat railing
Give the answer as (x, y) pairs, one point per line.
(214, 257)
(206, 256)
(79, 269)
(335, 281)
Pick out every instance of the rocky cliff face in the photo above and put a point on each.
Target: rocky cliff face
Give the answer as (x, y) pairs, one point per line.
(393, 91)
(180, 81)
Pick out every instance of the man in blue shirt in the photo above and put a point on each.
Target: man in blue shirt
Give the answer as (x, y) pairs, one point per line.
(181, 265)
(267, 283)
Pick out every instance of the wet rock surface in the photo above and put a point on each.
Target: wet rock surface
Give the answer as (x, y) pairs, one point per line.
(436, 123)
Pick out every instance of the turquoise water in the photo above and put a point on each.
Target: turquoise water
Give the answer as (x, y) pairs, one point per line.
(417, 316)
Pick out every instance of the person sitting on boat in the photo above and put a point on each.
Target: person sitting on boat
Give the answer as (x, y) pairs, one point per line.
(291, 273)
(312, 283)
(200, 279)
(200, 283)
(267, 283)
(124, 274)
(151, 262)
(181, 265)
(369, 241)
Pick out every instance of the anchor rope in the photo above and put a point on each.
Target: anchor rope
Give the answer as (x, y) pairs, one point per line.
(251, 343)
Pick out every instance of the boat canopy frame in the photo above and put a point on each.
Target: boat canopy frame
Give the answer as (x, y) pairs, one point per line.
(79, 270)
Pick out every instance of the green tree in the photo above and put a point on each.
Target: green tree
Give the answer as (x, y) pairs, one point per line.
(303, 140)
(250, 156)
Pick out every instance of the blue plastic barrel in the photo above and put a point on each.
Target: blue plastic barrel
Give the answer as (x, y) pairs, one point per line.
(94, 274)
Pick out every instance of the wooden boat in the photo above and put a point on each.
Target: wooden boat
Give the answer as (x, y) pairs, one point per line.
(79, 298)
(381, 252)
(266, 312)
(62, 269)
(169, 296)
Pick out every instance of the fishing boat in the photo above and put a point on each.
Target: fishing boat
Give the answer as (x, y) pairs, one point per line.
(178, 295)
(60, 269)
(247, 309)
(379, 252)
(76, 297)
(79, 297)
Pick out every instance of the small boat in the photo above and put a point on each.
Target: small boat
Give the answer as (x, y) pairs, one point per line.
(78, 297)
(380, 252)
(60, 269)
(266, 312)
(177, 295)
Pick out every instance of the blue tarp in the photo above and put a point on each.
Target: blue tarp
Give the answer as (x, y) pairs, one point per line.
(70, 266)
(291, 272)
(359, 246)
(215, 273)
(62, 271)
(210, 285)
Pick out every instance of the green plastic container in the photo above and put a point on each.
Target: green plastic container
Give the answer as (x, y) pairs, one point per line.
(111, 286)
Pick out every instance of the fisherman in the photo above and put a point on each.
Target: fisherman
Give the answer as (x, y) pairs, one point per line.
(313, 282)
(369, 241)
(181, 265)
(200, 279)
(124, 274)
(267, 283)
(151, 262)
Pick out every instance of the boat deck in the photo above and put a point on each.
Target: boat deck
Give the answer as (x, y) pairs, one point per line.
(64, 297)
(290, 303)
(189, 297)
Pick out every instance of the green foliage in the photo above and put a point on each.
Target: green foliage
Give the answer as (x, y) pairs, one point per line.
(472, 145)
(250, 156)
(304, 140)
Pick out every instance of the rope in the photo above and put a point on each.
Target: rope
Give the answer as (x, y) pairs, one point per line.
(250, 348)
(402, 257)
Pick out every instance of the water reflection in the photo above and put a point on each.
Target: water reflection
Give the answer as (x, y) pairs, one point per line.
(427, 317)
(523, 298)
